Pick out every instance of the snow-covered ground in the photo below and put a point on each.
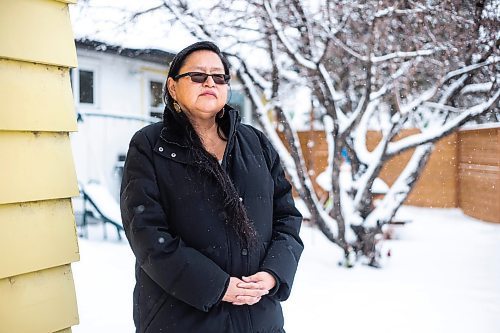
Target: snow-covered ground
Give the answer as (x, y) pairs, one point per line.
(443, 276)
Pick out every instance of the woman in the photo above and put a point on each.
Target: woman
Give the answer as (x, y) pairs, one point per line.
(208, 211)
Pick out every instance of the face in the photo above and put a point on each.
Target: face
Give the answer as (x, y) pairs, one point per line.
(200, 101)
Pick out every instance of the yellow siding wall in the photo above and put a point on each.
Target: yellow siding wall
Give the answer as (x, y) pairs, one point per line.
(36, 166)
(49, 89)
(45, 226)
(38, 239)
(37, 31)
(44, 300)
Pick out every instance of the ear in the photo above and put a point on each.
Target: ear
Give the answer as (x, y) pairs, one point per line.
(171, 85)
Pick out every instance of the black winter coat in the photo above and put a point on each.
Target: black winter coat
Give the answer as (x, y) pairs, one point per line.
(186, 250)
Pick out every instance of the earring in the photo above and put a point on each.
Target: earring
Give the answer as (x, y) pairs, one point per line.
(177, 107)
(220, 114)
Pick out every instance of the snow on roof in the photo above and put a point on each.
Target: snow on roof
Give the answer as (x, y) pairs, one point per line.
(115, 24)
(151, 55)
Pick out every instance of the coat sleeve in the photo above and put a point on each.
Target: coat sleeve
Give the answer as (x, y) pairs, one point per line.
(284, 251)
(180, 270)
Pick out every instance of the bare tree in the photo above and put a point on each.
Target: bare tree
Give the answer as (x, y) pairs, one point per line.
(431, 65)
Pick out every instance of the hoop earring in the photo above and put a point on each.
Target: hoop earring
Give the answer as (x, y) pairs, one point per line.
(177, 107)
(220, 114)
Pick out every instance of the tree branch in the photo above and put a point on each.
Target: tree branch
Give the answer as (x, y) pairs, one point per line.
(432, 136)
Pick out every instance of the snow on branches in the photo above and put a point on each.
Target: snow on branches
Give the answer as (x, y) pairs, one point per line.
(430, 65)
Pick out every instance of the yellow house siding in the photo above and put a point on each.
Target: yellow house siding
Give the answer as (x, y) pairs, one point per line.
(26, 88)
(36, 166)
(48, 227)
(66, 330)
(42, 301)
(37, 175)
(37, 31)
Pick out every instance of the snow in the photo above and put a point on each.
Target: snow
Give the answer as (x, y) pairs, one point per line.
(399, 54)
(283, 153)
(104, 21)
(379, 186)
(291, 50)
(434, 133)
(477, 87)
(302, 208)
(473, 127)
(360, 147)
(442, 276)
(297, 105)
(398, 192)
(116, 115)
(104, 201)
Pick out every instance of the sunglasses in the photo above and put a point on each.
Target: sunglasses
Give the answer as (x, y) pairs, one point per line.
(202, 77)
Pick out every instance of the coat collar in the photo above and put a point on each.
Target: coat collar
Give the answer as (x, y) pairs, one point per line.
(174, 144)
(172, 134)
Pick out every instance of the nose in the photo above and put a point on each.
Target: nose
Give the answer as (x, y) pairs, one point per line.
(209, 82)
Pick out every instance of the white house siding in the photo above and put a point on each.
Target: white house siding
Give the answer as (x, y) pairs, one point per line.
(121, 86)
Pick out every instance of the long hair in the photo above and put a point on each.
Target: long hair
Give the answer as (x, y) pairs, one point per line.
(207, 163)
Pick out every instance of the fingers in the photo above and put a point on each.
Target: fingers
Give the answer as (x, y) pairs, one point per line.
(250, 289)
(253, 292)
(251, 278)
(250, 296)
(251, 285)
(240, 293)
(232, 290)
(248, 300)
(260, 280)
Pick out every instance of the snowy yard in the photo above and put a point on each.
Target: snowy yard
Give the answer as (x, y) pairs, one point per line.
(443, 276)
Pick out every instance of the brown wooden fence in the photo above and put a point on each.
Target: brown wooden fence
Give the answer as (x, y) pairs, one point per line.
(463, 170)
(479, 173)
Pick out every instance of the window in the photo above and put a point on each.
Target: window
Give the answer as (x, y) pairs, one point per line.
(156, 99)
(84, 84)
(156, 93)
(86, 91)
(238, 102)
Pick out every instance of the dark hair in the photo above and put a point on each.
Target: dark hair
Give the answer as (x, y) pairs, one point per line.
(180, 59)
(208, 164)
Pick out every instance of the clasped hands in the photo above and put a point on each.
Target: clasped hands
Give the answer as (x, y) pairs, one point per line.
(249, 289)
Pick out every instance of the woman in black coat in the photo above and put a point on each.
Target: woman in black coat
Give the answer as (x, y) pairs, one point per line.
(208, 211)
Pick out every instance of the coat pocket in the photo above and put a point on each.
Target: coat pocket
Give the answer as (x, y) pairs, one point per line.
(263, 251)
(154, 310)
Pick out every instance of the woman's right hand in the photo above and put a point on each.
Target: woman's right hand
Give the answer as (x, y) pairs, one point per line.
(240, 296)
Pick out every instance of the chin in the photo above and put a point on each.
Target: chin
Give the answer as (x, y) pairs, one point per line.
(210, 110)
(205, 114)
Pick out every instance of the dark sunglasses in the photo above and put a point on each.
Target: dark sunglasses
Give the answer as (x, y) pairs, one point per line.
(202, 77)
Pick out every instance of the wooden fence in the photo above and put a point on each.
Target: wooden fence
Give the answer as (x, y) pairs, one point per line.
(479, 173)
(463, 170)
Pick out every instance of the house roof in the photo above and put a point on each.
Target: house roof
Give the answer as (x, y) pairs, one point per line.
(151, 55)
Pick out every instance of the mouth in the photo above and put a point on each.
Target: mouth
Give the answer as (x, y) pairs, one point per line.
(208, 93)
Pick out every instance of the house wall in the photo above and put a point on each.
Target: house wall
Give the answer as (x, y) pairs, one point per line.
(121, 87)
(38, 241)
